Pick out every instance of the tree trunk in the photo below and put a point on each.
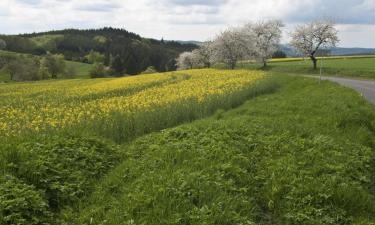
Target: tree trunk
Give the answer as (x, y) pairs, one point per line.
(233, 65)
(315, 61)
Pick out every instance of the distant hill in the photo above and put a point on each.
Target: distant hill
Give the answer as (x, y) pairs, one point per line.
(123, 51)
(338, 51)
(353, 51)
(75, 69)
(190, 42)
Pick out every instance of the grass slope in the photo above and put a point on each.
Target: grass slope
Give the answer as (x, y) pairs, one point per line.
(81, 70)
(303, 155)
(356, 67)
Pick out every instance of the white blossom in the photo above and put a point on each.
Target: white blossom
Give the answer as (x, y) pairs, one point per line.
(311, 37)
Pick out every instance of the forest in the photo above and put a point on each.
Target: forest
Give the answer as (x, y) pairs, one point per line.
(120, 51)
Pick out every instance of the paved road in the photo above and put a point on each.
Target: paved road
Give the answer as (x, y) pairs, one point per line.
(366, 87)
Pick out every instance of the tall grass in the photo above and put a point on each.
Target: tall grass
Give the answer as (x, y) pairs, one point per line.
(46, 170)
(302, 155)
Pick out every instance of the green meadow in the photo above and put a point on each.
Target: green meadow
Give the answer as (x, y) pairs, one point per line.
(359, 67)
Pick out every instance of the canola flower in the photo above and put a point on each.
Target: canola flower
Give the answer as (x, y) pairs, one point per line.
(41, 106)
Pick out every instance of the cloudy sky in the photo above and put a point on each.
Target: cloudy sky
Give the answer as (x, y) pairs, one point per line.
(187, 19)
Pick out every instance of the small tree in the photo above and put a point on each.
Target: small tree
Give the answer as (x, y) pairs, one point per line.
(98, 70)
(23, 68)
(267, 38)
(3, 44)
(311, 37)
(95, 57)
(150, 70)
(186, 60)
(56, 65)
(205, 53)
(44, 69)
(233, 45)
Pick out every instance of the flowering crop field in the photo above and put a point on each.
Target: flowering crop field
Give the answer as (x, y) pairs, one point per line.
(59, 137)
(139, 103)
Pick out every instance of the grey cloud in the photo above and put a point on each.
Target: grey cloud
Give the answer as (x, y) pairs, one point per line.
(97, 7)
(214, 3)
(30, 2)
(342, 11)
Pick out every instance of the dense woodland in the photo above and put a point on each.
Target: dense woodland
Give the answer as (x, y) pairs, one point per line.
(120, 51)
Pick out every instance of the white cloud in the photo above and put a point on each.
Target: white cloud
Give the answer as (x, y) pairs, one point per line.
(185, 19)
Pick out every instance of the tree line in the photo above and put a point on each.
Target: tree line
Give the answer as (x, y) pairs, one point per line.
(22, 67)
(260, 41)
(124, 52)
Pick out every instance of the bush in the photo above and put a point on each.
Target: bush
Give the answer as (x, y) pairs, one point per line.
(21, 204)
(98, 70)
(23, 68)
(149, 70)
(3, 44)
(63, 168)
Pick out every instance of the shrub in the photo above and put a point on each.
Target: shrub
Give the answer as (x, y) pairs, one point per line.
(150, 70)
(98, 70)
(21, 204)
(63, 168)
(3, 44)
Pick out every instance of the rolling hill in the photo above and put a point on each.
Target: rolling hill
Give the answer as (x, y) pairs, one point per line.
(123, 51)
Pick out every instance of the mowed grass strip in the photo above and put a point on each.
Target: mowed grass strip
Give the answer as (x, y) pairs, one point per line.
(303, 155)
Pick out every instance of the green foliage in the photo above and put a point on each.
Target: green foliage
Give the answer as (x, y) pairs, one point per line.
(21, 204)
(98, 70)
(95, 57)
(3, 44)
(63, 168)
(72, 69)
(56, 65)
(278, 159)
(23, 68)
(100, 39)
(135, 53)
(47, 43)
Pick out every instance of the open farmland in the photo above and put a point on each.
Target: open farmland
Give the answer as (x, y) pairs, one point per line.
(301, 155)
(308, 162)
(58, 136)
(143, 103)
(173, 114)
(361, 67)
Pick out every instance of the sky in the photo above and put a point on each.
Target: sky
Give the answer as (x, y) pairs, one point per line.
(188, 19)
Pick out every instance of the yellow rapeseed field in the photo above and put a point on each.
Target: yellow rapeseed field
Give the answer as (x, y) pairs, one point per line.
(42, 106)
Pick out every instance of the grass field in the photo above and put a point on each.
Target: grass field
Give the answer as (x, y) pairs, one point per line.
(303, 155)
(81, 70)
(104, 151)
(361, 67)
